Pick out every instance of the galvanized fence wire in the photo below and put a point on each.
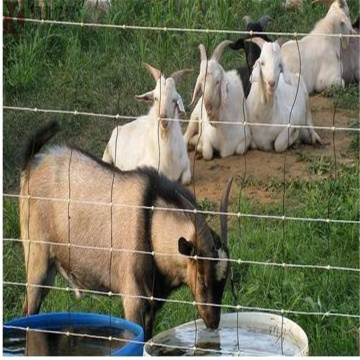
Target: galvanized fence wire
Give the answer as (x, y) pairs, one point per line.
(195, 257)
(197, 211)
(175, 29)
(185, 302)
(238, 214)
(127, 117)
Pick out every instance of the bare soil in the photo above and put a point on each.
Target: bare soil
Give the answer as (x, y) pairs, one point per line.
(261, 167)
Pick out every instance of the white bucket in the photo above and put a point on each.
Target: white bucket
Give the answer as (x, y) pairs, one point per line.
(257, 334)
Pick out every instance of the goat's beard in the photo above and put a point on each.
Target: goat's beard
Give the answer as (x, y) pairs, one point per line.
(164, 131)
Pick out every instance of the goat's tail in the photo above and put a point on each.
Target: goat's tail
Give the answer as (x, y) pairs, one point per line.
(37, 140)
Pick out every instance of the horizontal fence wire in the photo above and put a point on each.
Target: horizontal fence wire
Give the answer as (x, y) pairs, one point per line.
(195, 257)
(175, 29)
(126, 117)
(185, 302)
(196, 211)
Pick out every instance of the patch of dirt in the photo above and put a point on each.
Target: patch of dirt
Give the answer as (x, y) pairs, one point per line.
(262, 167)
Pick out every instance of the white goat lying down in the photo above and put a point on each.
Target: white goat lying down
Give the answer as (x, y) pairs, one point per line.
(154, 139)
(273, 100)
(222, 101)
(320, 55)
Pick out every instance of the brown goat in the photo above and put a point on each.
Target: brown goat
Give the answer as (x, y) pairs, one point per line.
(112, 210)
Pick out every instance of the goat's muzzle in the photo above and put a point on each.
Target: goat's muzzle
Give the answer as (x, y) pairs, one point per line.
(210, 316)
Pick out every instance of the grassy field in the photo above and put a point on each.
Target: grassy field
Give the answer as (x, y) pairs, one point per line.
(99, 70)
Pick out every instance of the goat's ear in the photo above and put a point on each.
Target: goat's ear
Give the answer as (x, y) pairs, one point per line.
(180, 104)
(286, 74)
(186, 247)
(255, 74)
(147, 97)
(224, 90)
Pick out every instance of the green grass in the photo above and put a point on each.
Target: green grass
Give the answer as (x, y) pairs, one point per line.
(99, 70)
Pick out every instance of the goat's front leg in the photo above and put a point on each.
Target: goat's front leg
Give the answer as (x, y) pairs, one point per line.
(245, 143)
(286, 138)
(192, 129)
(186, 175)
(139, 311)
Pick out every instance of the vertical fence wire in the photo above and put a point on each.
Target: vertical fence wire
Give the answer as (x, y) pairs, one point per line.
(240, 232)
(283, 248)
(198, 142)
(331, 193)
(69, 245)
(29, 166)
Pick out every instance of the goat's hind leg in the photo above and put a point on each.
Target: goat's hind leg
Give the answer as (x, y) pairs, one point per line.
(308, 135)
(40, 276)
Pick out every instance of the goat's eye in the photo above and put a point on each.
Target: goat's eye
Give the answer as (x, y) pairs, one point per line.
(218, 82)
(201, 281)
(262, 63)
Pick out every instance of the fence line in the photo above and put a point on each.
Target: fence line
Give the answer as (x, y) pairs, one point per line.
(295, 35)
(127, 117)
(197, 211)
(185, 302)
(195, 257)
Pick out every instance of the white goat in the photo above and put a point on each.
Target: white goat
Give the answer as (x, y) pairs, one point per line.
(320, 55)
(274, 99)
(222, 101)
(154, 139)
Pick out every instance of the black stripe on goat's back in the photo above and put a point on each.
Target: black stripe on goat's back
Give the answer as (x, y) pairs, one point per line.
(157, 185)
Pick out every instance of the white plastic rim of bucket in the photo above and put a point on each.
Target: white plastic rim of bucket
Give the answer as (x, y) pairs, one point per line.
(266, 322)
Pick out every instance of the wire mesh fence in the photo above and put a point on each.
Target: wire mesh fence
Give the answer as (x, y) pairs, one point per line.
(284, 262)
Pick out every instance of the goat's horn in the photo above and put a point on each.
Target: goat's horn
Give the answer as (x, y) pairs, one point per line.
(196, 93)
(177, 75)
(264, 20)
(258, 41)
(202, 49)
(223, 209)
(188, 205)
(153, 71)
(247, 20)
(219, 49)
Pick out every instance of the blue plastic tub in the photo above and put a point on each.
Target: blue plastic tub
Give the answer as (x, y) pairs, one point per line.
(60, 321)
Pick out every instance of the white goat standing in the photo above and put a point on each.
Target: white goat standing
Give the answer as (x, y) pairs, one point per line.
(274, 99)
(154, 139)
(320, 55)
(222, 101)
